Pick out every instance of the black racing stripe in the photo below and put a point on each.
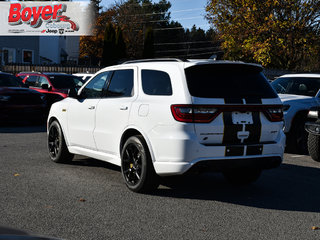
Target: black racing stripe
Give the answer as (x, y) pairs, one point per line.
(231, 130)
(255, 150)
(252, 100)
(233, 100)
(254, 129)
(234, 151)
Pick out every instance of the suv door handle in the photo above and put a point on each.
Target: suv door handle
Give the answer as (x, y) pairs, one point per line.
(92, 107)
(124, 108)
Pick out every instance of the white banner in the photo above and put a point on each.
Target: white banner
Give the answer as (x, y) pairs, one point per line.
(45, 18)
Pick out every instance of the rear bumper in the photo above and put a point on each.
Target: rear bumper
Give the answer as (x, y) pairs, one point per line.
(181, 154)
(221, 165)
(218, 165)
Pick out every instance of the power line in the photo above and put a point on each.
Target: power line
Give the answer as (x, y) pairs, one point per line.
(189, 55)
(159, 44)
(186, 49)
(177, 19)
(174, 28)
(157, 13)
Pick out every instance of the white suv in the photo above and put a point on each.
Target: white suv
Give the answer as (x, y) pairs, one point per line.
(166, 117)
(298, 93)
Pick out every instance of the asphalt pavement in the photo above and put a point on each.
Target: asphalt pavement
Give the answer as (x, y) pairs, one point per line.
(88, 199)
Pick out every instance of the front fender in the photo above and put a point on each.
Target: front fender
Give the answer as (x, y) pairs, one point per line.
(59, 111)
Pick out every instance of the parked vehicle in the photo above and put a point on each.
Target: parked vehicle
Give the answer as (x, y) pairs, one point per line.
(18, 103)
(299, 93)
(54, 85)
(168, 117)
(85, 76)
(312, 126)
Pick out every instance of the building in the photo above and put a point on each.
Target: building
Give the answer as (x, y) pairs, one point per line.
(24, 50)
(39, 50)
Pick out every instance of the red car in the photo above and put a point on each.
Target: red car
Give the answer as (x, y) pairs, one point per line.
(54, 85)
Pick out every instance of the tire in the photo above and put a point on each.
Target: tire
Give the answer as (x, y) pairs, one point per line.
(137, 167)
(58, 150)
(314, 146)
(297, 138)
(242, 176)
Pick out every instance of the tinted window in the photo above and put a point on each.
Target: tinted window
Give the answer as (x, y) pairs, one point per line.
(95, 87)
(228, 81)
(156, 82)
(121, 84)
(298, 86)
(32, 81)
(42, 80)
(65, 81)
(7, 80)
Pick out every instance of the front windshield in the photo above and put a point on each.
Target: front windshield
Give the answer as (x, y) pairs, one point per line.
(7, 80)
(306, 86)
(65, 81)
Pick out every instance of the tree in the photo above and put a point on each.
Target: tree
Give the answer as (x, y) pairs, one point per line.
(276, 33)
(148, 49)
(135, 16)
(109, 55)
(120, 44)
(91, 47)
(133, 20)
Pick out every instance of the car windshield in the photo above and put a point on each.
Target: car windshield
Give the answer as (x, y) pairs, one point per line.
(306, 86)
(228, 80)
(65, 81)
(7, 80)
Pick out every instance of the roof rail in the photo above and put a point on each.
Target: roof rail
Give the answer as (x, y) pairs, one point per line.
(156, 60)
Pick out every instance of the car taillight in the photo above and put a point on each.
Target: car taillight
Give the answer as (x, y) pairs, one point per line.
(274, 114)
(194, 113)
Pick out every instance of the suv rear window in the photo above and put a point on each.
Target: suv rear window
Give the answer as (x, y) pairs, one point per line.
(156, 82)
(228, 80)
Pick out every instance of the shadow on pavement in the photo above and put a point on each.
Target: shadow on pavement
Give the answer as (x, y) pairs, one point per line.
(91, 162)
(290, 187)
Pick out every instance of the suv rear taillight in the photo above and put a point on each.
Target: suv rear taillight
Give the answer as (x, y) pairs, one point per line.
(274, 114)
(207, 113)
(194, 113)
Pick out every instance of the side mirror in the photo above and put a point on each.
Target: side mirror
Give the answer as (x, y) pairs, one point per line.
(73, 93)
(45, 86)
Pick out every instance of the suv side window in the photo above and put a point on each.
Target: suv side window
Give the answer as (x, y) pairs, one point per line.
(121, 84)
(95, 87)
(156, 82)
(32, 81)
(42, 80)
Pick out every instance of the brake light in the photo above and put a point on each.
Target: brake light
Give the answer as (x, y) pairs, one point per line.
(194, 113)
(274, 114)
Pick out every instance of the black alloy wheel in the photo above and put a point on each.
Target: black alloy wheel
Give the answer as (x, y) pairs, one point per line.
(137, 167)
(132, 164)
(58, 150)
(54, 142)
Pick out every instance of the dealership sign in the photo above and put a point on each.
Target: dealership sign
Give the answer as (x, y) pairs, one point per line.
(45, 18)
